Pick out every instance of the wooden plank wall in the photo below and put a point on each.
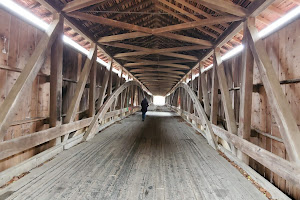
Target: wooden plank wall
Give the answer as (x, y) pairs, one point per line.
(284, 51)
(21, 40)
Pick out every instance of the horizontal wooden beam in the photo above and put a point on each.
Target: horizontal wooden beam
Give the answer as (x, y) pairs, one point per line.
(109, 22)
(150, 62)
(158, 83)
(167, 35)
(183, 56)
(170, 70)
(189, 25)
(185, 39)
(156, 51)
(137, 65)
(79, 4)
(224, 6)
(148, 76)
(123, 36)
(126, 46)
(157, 75)
(17, 145)
(159, 51)
(280, 166)
(161, 78)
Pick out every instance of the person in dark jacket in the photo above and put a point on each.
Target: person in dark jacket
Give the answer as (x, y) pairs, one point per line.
(144, 105)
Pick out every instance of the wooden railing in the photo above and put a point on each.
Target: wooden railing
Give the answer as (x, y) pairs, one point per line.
(76, 132)
(216, 136)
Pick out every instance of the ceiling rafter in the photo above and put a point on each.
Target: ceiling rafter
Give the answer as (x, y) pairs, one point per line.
(225, 6)
(184, 20)
(79, 4)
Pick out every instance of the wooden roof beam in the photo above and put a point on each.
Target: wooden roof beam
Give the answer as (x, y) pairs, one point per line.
(177, 55)
(134, 65)
(204, 22)
(170, 70)
(184, 38)
(109, 22)
(158, 51)
(190, 15)
(158, 80)
(150, 62)
(79, 4)
(184, 20)
(224, 6)
(150, 78)
(157, 74)
(124, 36)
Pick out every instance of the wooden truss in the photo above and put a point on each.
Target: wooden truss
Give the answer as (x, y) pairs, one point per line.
(178, 30)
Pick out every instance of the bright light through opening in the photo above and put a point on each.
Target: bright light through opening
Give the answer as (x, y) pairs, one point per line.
(159, 100)
(23, 13)
(275, 26)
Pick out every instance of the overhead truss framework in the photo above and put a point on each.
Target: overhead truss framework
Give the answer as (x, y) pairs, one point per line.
(156, 36)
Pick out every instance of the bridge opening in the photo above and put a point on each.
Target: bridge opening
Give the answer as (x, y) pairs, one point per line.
(159, 100)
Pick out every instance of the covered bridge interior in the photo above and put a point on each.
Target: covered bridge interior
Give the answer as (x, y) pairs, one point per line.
(73, 74)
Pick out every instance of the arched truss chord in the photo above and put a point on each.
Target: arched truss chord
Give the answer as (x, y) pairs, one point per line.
(93, 128)
(202, 115)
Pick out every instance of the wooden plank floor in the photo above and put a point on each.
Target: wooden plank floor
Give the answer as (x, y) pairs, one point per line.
(160, 158)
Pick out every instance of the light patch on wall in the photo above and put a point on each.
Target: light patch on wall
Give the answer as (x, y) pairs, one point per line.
(159, 100)
(24, 14)
(273, 27)
(279, 23)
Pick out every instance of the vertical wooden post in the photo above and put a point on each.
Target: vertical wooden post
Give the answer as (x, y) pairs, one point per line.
(92, 90)
(214, 95)
(192, 84)
(103, 87)
(205, 94)
(81, 85)
(118, 85)
(132, 96)
(124, 95)
(56, 78)
(200, 94)
(109, 91)
(246, 94)
(229, 113)
(181, 99)
(185, 100)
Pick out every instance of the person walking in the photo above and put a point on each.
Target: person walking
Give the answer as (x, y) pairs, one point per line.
(144, 105)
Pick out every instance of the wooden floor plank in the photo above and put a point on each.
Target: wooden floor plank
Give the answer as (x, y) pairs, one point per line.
(161, 158)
